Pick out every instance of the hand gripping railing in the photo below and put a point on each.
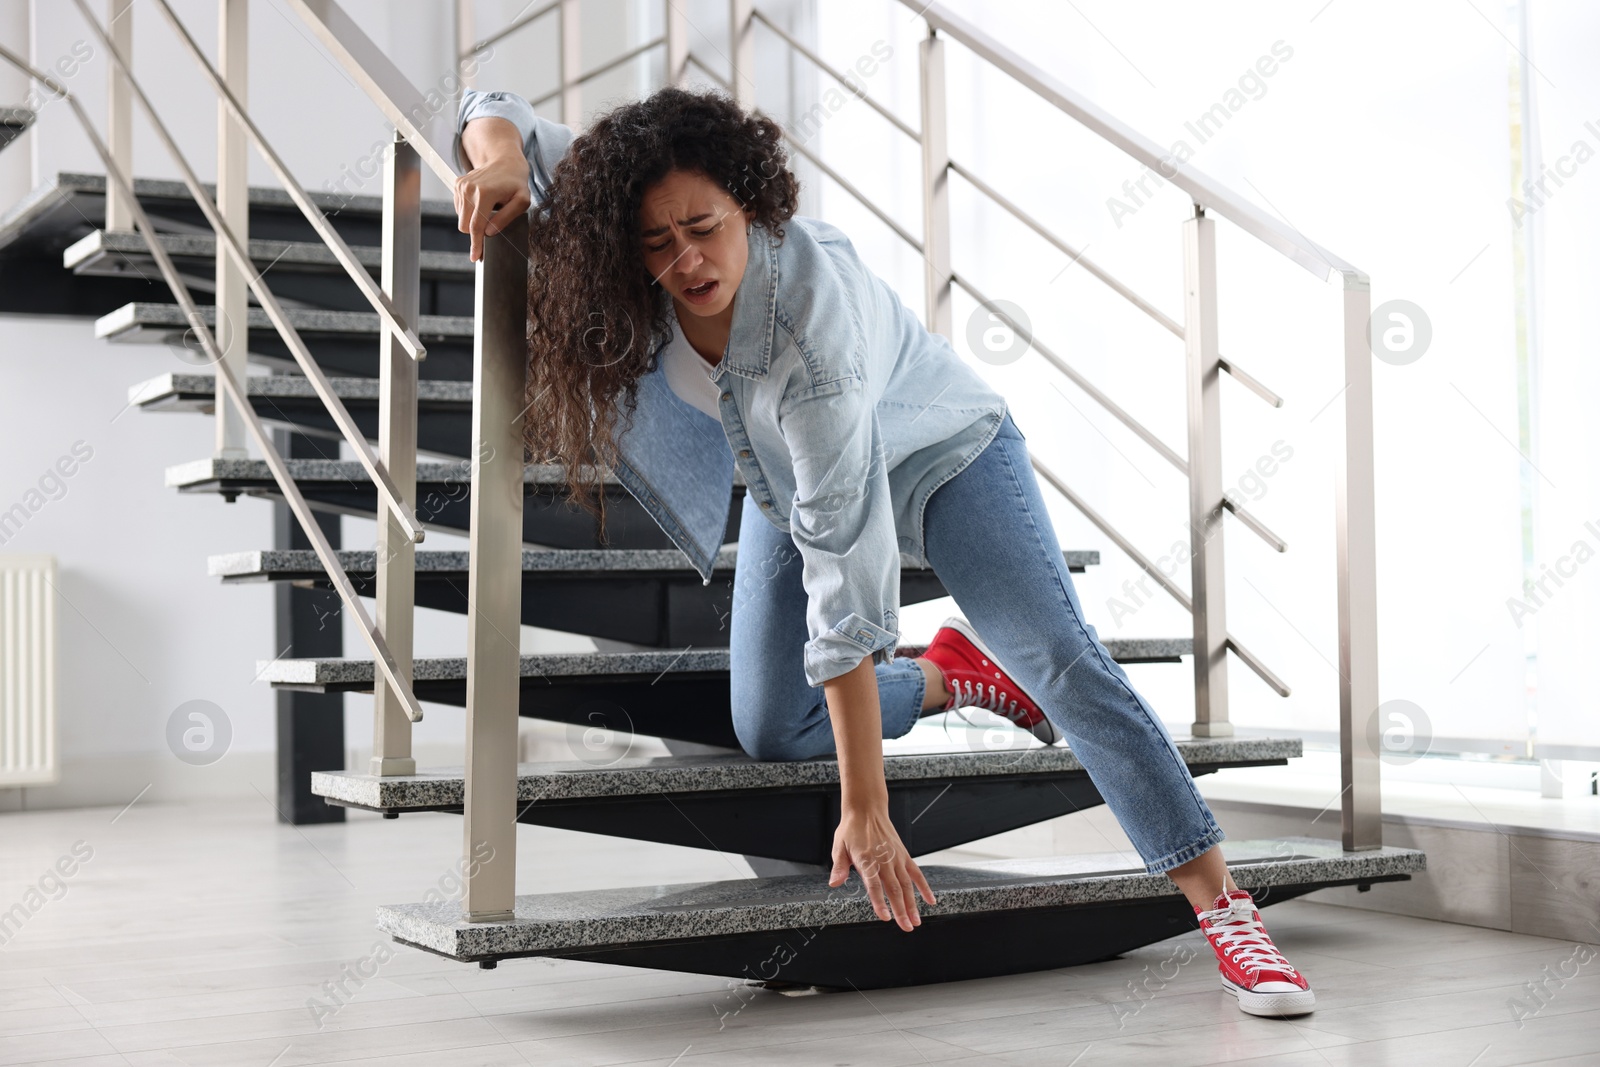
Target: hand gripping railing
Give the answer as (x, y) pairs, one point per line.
(234, 387)
(1354, 518)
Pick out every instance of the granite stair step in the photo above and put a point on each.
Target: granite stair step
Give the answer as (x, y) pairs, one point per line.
(301, 272)
(681, 694)
(69, 207)
(444, 408)
(641, 596)
(992, 918)
(443, 495)
(344, 342)
(786, 810)
(14, 122)
(117, 252)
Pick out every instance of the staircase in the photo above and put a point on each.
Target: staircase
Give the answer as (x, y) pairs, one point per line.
(661, 667)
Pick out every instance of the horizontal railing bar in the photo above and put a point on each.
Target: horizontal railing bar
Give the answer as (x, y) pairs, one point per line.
(896, 120)
(632, 53)
(1254, 524)
(1260, 528)
(1094, 268)
(1249, 381)
(1079, 380)
(387, 490)
(1116, 536)
(713, 75)
(625, 57)
(1201, 189)
(347, 259)
(1265, 673)
(845, 184)
(1249, 658)
(1066, 249)
(236, 393)
(510, 28)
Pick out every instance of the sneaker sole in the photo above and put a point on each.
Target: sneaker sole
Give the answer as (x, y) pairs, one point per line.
(1045, 730)
(1274, 1004)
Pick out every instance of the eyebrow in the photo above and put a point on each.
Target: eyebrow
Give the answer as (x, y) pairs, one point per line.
(659, 230)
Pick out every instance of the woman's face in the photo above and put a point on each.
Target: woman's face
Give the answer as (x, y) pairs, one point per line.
(695, 240)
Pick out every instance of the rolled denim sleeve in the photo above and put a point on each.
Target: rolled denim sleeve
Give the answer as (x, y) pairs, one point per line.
(543, 142)
(842, 522)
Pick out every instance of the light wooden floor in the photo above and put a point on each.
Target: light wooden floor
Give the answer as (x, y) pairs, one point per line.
(196, 935)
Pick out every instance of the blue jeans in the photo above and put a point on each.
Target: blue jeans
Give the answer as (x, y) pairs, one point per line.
(991, 542)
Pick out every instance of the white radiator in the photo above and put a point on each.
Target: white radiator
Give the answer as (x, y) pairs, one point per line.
(27, 670)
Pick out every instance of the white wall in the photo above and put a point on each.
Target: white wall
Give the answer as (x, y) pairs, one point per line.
(142, 628)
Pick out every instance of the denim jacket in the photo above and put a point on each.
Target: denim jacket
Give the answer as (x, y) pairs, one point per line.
(840, 410)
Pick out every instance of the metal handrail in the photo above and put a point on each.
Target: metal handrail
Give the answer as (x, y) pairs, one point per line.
(235, 390)
(1201, 189)
(377, 76)
(1244, 378)
(388, 493)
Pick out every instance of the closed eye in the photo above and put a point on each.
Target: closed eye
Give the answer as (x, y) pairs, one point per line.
(697, 233)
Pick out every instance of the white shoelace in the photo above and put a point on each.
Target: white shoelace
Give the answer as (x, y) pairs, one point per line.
(969, 695)
(1242, 938)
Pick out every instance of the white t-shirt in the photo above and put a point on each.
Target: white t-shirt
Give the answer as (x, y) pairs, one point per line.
(689, 374)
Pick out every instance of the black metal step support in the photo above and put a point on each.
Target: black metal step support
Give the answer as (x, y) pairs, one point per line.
(307, 622)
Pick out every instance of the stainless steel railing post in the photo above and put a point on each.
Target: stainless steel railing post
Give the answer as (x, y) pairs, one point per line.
(1355, 519)
(1205, 477)
(676, 23)
(397, 451)
(494, 581)
(571, 65)
(742, 52)
(233, 204)
(119, 114)
(935, 186)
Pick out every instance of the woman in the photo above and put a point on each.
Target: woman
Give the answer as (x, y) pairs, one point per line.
(675, 281)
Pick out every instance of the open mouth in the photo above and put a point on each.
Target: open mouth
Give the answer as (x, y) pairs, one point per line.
(701, 291)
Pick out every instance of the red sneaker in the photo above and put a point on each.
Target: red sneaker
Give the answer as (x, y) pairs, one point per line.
(976, 680)
(1253, 969)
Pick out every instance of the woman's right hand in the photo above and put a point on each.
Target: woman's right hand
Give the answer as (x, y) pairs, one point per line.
(867, 840)
(488, 196)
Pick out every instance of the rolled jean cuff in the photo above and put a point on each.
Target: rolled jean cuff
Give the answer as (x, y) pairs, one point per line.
(894, 692)
(842, 648)
(1212, 838)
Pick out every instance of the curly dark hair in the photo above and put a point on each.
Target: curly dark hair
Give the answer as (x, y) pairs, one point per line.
(596, 317)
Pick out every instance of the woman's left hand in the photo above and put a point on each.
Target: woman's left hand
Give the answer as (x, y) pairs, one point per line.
(867, 840)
